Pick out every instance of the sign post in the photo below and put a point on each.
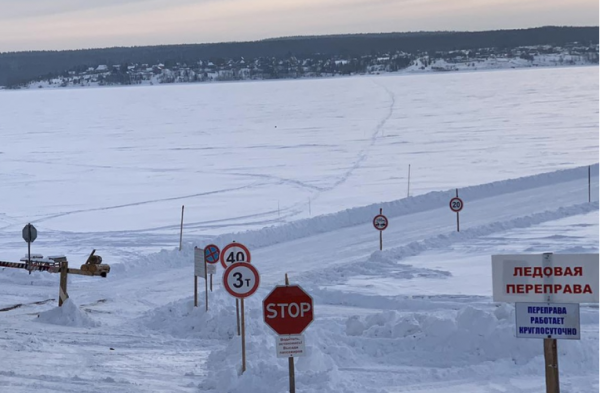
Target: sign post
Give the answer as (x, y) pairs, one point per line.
(240, 281)
(233, 253)
(181, 229)
(29, 235)
(288, 310)
(456, 205)
(547, 289)
(380, 222)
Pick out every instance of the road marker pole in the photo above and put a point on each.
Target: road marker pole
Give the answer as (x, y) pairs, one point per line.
(181, 229)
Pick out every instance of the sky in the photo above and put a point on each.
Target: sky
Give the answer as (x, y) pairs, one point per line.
(77, 24)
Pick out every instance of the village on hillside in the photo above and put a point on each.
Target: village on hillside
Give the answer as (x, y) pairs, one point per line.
(218, 69)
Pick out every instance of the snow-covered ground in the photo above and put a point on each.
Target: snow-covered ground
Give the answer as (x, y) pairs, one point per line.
(295, 170)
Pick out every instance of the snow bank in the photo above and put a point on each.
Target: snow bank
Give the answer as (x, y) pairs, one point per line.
(67, 315)
(359, 216)
(469, 336)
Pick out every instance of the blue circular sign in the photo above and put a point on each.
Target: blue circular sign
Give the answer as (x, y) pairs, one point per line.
(212, 253)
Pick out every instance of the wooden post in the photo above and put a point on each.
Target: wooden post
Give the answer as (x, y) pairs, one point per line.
(205, 284)
(551, 362)
(243, 338)
(181, 229)
(237, 314)
(195, 290)
(62, 292)
(291, 358)
(408, 188)
(457, 216)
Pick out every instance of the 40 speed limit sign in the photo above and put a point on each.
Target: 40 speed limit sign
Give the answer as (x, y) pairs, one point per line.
(241, 280)
(234, 253)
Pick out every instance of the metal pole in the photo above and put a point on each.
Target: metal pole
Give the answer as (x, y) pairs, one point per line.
(243, 338)
(29, 253)
(551, 361)
(195, 290)
(181, 229)
(205, 285)
(457, 216)
(291, 359)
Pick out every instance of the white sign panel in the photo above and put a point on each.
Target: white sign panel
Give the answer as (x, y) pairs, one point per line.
(211, 268)
(199, 262)
(552, 278)
(290, 346)
(548, 320)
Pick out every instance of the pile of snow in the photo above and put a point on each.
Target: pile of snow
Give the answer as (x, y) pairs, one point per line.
(360, 215)
(67, 315)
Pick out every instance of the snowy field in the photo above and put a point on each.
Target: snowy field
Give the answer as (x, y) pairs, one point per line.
(295, 170)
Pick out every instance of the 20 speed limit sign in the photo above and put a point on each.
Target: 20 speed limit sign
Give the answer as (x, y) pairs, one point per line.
(380, 222)
(456, 204)
(234, 253)
(241, 280)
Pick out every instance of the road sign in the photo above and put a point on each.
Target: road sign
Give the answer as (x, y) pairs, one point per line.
(199, 265)
(233, 253)
(288, 309)
(552, 278)
(211, 269)
(456, 204)
(290, 346)
(212, 253)
(241, 280)
(548, 320)
(29, 233)
(380, 222)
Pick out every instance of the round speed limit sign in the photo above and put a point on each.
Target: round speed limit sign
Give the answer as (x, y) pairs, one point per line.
(241, 280)
(234, 253)
(456, 204)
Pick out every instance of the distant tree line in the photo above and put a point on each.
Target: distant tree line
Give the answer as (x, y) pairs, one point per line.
(20, 67)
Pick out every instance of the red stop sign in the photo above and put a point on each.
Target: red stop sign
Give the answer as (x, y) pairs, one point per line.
(288, 309)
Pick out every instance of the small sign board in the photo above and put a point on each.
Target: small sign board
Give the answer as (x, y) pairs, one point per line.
(199, 263)
(548, 320)
(545, 278)
(212, 254)
(290, 346)
(211, 268)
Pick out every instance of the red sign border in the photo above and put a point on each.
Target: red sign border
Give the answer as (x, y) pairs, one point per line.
(462, 204)
(218, 260)
(312, 302)
(386, 222)
(252, 290)
(231, 245)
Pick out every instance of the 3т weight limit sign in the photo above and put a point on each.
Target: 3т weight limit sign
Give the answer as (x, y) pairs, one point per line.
(241, 280)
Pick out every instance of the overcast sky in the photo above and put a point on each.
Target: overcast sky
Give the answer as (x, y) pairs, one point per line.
(75, 24)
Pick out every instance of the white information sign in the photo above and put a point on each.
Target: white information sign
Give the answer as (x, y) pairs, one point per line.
(211, 268)
(290, 346)
(549, 278)
(548, 320)
(199, 262)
